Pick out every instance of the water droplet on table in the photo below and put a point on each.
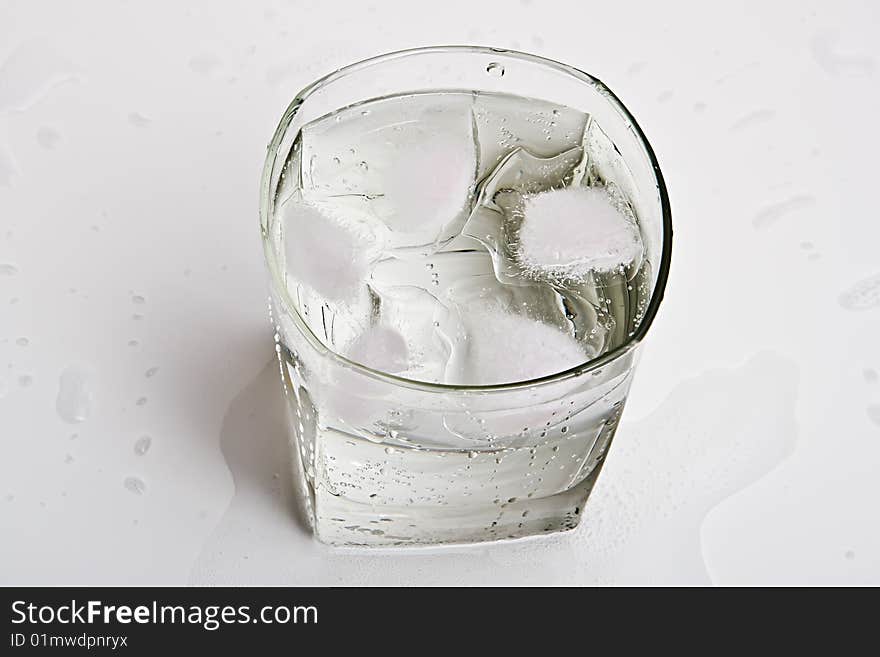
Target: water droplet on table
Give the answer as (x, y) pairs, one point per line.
(30, 72)
(151, 372)
(142, 445)
(75, 397)
(204, 63)
(773, 213)
(752, 118)
(138, 120)
(836, 60)
(863, 295)
(48, 137)
(135, 485)
(874, 414)
(8, 270)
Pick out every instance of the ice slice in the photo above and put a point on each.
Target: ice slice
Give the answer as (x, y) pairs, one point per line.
(571, 233)
(501, 347)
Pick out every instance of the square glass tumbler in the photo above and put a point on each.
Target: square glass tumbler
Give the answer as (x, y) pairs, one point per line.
(384, 459)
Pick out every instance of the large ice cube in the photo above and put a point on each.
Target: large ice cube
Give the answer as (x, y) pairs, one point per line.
(501, 347)
(413, 160)
(571, 233)
(495, 219)
(328, 247)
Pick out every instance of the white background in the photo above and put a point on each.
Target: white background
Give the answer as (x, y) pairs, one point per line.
(131, 141)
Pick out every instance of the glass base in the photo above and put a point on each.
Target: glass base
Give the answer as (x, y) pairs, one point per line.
(341, 522)
(358, 490)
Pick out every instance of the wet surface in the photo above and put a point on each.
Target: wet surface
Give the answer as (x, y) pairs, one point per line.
(753, 418)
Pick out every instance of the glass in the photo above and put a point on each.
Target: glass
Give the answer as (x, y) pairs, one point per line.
(385, 459)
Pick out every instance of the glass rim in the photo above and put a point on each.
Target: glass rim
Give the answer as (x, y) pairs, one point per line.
(578, 370)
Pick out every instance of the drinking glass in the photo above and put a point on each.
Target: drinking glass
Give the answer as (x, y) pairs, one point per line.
(388, 460)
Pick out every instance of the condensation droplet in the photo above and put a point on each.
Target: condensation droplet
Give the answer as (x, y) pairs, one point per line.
(495, 69)
(22, 342)
(151, 372)
(8, 270)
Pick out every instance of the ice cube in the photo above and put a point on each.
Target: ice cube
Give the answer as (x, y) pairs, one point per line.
(504, 123)
(412, 159)
(496, 217)
(328, 247)
(421, 318)
(502, 347)
(573, 232)
(380, 348)
(428, 185)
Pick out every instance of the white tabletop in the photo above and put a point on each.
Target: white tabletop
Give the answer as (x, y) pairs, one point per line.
(131, 141)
